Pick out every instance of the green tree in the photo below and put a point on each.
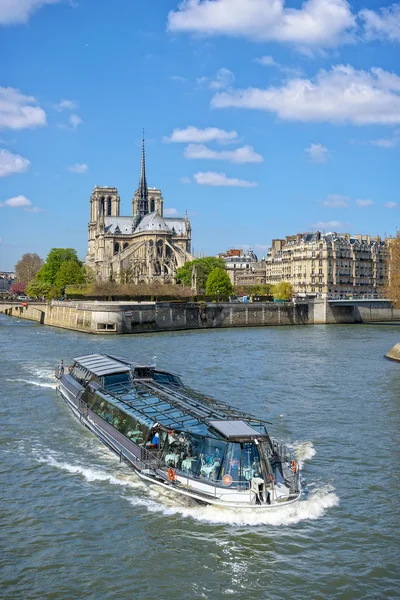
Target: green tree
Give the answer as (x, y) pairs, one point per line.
(283, 290)
(126, 275)
(203, 267)
(88, 274)
(68, 273)
(54, 260)
(27, 267)
(218, 282)
(38, 289)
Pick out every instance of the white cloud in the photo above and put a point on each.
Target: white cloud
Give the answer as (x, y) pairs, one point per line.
(391, 205)
(336, 201)
(17, 111)
(178, 78)
(317, 153)
(341, 95)
(75, 121)
(223, 79)
(220, 179)
(12, 163)
(245, 154)
(170, 212)
(185, 180)
(266, 61)
(193, 134)
(13, 12)
(382, 25)
(66, 105)
(269, 61)
(328, 225)
(363, 203)
(16, 202)
(316, 23)
(388, 142)
(78, 168)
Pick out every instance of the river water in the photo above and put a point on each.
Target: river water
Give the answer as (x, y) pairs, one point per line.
(77, 523)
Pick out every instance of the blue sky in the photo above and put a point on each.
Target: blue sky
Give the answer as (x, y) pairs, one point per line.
(262, 118)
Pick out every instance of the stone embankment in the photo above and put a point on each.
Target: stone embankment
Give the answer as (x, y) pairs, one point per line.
(137, 317)
(394, 353)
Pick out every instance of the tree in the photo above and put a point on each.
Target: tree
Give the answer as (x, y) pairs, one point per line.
(392, 290)
(126, 275)
(68, 273)
(203, 267)
(218, 282)
(38, 289)
(27, 267)
(283, 290)
(88, 274)
(54, 260)
(18, 287)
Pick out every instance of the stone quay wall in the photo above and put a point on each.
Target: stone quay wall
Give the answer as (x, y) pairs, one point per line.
(394, 353)
(135, 317)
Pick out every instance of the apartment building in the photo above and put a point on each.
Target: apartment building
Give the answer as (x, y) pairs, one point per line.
(329, 265)
(244, 268)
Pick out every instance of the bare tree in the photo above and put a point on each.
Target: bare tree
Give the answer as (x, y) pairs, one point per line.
(27, 267)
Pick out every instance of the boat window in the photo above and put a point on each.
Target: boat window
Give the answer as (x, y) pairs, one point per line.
(250, 461)
(211, 458)
(127, 425)
(166, 378)
(142, 373)
(117, 378)
(231, 464)
(199, 457)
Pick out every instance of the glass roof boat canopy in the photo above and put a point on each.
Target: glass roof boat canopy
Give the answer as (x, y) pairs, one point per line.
(156, 396)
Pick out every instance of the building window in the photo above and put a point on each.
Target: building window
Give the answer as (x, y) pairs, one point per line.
(109, 204)
(116, 248)
(152, 205)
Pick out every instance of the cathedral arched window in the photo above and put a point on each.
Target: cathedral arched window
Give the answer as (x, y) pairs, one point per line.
(102, 200)
(152, 205)
(116, 248)
(126, 245)
(109, 204)
(159, 248)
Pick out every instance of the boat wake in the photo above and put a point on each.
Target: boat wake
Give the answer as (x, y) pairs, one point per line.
(88, 473)
(303, 451)
(158, 500)
(37, 383)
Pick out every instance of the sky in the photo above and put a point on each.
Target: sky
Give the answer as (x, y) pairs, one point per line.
(262, 118)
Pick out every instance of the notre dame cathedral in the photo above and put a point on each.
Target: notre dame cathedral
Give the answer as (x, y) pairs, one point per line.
(142, 248)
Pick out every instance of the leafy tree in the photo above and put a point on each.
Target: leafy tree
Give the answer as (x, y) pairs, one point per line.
(126, 275)
(27, 267)
(261, 289)
(18, 287)
(218, 282)
(88, 274)
(393, 287)
(283, 290)
(69, 272)
(54, 260)
(38, 289)
(203, 267)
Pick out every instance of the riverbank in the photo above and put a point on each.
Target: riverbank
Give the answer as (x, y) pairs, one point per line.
(136, 317)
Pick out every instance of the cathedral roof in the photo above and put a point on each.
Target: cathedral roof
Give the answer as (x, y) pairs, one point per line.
(152, 222)
(178, 224)
(124, 224)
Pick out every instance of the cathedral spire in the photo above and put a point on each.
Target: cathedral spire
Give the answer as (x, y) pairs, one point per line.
(143, 193)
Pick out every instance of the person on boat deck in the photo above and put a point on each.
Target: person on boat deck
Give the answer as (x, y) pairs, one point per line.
(156, 439)
(61, 368)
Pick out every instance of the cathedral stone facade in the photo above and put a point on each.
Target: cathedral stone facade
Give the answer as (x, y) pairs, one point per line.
(141, 248)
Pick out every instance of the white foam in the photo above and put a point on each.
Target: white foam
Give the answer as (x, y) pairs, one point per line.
(311, 508)
(88, 473)
(37, 383)
(303, 451)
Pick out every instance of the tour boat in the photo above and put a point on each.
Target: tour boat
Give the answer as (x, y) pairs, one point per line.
(178, 438)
